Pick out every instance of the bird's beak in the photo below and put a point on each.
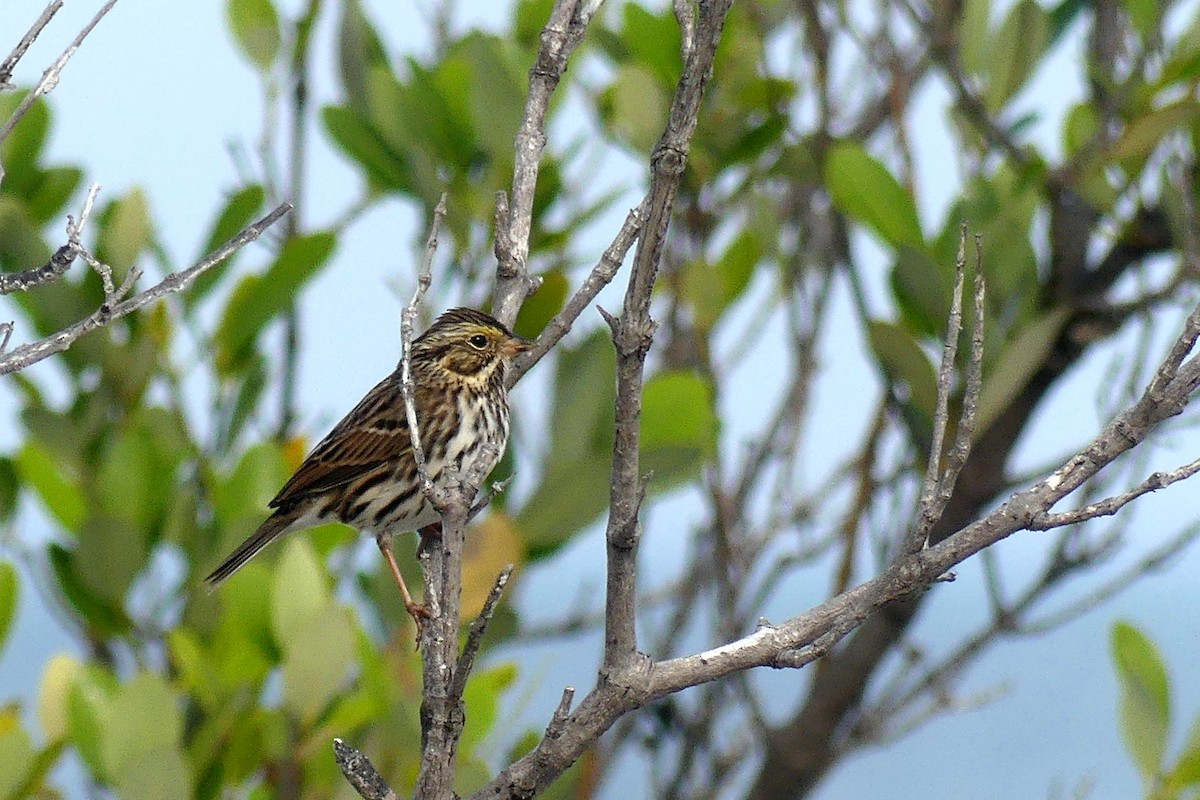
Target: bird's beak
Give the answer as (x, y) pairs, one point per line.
(515, 346)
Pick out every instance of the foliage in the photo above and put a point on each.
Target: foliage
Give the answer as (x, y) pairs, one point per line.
(1146, 718)
(155, 464)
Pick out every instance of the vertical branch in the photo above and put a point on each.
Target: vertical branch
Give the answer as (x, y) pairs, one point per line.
(514, 217)
(633, 333)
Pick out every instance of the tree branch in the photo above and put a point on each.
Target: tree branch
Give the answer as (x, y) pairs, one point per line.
(9, 64)
(21, 357)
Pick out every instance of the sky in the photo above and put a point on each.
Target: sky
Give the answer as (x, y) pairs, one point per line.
(156, 97)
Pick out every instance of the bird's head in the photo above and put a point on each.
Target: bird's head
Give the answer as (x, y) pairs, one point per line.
(467, 343)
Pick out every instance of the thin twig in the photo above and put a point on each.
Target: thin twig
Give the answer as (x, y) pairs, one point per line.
(927, 514)
(21, 357)
(50, 76)
(9, 64)
(600, 276)
(407, 319)
(466, 659)
(1159, 480)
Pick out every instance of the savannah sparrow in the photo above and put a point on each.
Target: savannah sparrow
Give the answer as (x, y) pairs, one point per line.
(363, 473)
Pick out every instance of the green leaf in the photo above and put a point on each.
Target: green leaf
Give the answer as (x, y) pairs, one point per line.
(52, 190)
(299, 592)
(126, 230)
(259, 299)
(318, 661)
(62, 497)
(923, 288)
(109, 555)
(907, 365)
(1015, 52)
(1146, 15)
(145, 716)
(158, 773)
(482, 697)
(1145, 698)
(863, 188)
(255, 26)
(246, 491)
(679, 424)
(974, 35)
(386, 169)
(1147, 132)
(1018, 361)
(88, 702)
(360, 51)
(634, 106)
(542, 305)
(711, 288)
(16, 752)
(10, 488)
(1187, 768)
(566, 500)
(240, 210)
(9, 598)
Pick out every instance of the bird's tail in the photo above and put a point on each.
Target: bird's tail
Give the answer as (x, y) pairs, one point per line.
(275, 526)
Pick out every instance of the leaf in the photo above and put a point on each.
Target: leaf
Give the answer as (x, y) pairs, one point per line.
(255, 26)
(360, 51)
(679, 425)
(88, 703)
(109, 555)
(862, 188)
(259, 299)
(491, 545)
(482, 695)
(239, 211)
(63, 498)
(974, 35)
(9, 598)
(386, 169)
(1187, 768)
(126, 230)
(906, 364)
(51, 191)
(158, 773)
(1014, 52)
(16, 752)
(319, 656)
(144, 716)
(923, 289)
(1147, 132)
(299, 592)
(567, 499)
(1019, 360)
(54, 694)
(1145, 698)
(246, 491)
(10, 488)
(634, 106)
(542, 305)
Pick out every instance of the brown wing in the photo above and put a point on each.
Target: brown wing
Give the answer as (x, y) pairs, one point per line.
(374, 433)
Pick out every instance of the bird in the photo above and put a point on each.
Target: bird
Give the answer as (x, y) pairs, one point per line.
(364, 474)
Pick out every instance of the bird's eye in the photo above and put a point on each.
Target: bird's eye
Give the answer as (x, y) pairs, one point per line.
(478, 341)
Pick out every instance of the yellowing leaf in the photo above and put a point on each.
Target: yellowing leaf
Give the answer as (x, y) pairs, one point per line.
(53, 694)
(491, 545)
